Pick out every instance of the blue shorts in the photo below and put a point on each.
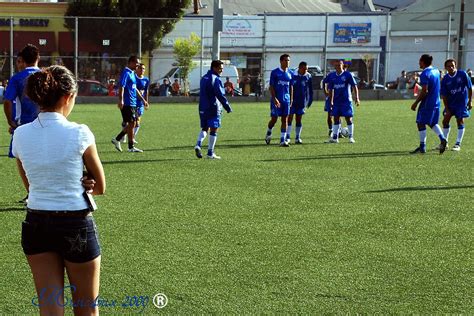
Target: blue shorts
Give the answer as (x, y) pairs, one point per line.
(327, 106)
(140, 110)
(75, 239)
(283, 110)
(459, 112)
(297, 110)
(427, 116)
(213, 122)
(345, 110)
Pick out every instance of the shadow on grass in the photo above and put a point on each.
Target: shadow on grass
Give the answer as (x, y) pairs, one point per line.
(10, 208)
(219, 145)
(345, 156)
(114, 162)
(423, 188)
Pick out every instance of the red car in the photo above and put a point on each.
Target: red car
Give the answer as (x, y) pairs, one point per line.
(91, 88)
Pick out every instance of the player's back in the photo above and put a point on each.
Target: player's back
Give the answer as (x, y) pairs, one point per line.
(27, 109)
(430, 77)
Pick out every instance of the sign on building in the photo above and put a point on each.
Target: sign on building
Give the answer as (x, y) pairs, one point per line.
(353, 33)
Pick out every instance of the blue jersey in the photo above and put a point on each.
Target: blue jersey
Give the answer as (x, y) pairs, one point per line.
(26, 110)
(430, 77)
(142, 85)
(341, 85)
(128, 81)
(212, 96)
(455, 89)
(302, 90)
(281, 81)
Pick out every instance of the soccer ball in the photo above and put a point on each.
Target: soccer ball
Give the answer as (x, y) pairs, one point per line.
(344, 132)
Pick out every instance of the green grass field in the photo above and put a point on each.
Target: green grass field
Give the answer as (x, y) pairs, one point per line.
(311, 229)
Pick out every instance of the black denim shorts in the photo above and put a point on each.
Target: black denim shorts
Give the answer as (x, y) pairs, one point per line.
(73, 238)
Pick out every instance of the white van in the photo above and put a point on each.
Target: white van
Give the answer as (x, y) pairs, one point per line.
(195, 75)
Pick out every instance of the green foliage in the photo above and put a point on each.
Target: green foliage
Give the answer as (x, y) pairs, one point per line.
(313, 229)
(122, 32)
(184, 50)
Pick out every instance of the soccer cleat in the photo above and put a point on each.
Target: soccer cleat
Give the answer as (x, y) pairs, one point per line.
(268, 138)
(352, 140)
(418, 150)
(298, 141)
(134, 150)
(213, 156)
(332, 141)
(439, 146)
(330, 133)
(456, 147)
(197, 151)
(117, 144)
(288, 140)
(443, 146)
(284, 144)
(24, 200)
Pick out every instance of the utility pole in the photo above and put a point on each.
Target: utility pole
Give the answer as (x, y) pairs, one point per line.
(217, 26)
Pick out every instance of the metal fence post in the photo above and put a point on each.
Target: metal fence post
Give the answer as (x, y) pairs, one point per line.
(202, 49)
(448, 47)
(325, 50)
(76, 46)
(12, 69)
(140, 38)
(387, 48)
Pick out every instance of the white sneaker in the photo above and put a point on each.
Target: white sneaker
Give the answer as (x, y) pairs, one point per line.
(352, 140)
(134, 141)
(213, 156)
(117, 144)
(268, 138)
(456, 147)
(288, 140)
(134, 150)
(299, 141)
(284, 144)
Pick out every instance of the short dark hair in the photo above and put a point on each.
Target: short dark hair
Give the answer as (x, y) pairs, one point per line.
(216, 63)
(450, 60)
(133, 58)
(30, 54)
(47, 86)
(284, 56)
(426, 59)
(303, 64)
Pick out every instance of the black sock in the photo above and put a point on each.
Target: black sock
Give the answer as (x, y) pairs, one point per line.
(120, 136)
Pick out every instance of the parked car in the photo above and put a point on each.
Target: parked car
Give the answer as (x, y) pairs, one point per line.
(91, 88)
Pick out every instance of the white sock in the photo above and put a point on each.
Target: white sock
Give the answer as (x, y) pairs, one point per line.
(135, 130)
(446, 132)
(335, 131)
(423, 136)
(460, 135)
(437, 130)
(298, 131)
(212, 143)
(288, 132)
(202, 135)
(283, 136)
(351, 130)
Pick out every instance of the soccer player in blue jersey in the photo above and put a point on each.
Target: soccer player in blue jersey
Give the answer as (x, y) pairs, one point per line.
(211, 100)
(428, 112)
(143, 86)
(456, 90)
(128, 104)
(281, 90)
(302, 99)
(18, 108)
(340, 86)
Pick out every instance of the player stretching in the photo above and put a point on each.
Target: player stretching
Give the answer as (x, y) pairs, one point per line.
(456, 90)
(428, 112)
(211, 100)
(302, 99)
(281, 90)
(340, 84)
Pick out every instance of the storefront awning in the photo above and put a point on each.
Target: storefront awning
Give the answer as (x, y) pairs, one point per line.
(45, 41)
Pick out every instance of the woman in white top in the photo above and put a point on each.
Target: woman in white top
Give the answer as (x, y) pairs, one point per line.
(59, 233)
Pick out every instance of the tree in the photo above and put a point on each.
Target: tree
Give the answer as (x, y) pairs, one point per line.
(184, 50)
(122, 32)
